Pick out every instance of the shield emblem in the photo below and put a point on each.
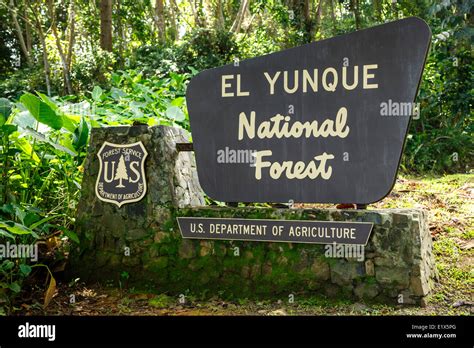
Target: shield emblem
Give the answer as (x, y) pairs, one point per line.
(121, 177)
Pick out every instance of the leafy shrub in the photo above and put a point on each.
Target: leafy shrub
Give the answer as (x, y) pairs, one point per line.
(205, 49)
(13, 84)
(156, 60)
(199, 50)
(91, 68)
(41, 147)
(133, 98)
(441, 140)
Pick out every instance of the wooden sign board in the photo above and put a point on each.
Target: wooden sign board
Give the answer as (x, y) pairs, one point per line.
(324, 122)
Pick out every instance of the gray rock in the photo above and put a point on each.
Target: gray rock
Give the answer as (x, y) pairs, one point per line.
(367, 291)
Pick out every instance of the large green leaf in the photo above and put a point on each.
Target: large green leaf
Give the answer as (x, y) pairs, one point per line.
(42, 221)
(6, 234)
(15, 287)
(43, 138)
(41, 111)
(69, 122)
(5, 110)
(8, 129)
(25, 269)
(25, 119)
(81, 134)
(175, 113)
(16, 228)
(70, 234)
(117, 93)
(26, 147)
(97, 93)
(48, 101)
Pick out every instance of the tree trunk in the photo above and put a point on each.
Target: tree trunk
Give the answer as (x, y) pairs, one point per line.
(175, 30)
(307, 10)
(220, 15)
(39, 27)
(19, 34)
(318, 17)
(333, 17)
(72, 33)
(354, 6)
(120, 33)
(27, 27)
(106, 25)
(66, 72)
(199, 22)
(160, 20)
(310, 27)
(240, 16)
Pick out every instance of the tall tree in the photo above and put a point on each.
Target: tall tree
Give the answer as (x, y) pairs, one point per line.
(19, 32)
(308, 22)
(106, 25)
(72, 33)
(354, 6)
(239, 18)
(220, 23)
(160, 20)
(333, 16)
(39, 28)
(174, 25)
(28, 39)
(196, 9)
(62, 55)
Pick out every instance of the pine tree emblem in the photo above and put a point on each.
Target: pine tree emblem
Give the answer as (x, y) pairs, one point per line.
(121, 173)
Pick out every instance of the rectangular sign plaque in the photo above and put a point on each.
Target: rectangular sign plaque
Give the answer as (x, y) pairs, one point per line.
(293, 231)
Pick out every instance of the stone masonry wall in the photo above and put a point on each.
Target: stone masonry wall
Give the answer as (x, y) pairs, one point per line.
(398, 257)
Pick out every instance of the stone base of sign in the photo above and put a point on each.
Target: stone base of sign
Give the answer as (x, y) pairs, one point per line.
(397, 265)
(140, 243)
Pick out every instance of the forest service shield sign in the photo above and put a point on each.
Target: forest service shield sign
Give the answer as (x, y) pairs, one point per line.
(121, 177)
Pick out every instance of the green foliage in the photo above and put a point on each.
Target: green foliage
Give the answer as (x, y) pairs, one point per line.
(205, 49)
(90, 68)
(41, 148)
(133, 98)
(14, 83)
(200, 49)
(442, 139)
(156, 60)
